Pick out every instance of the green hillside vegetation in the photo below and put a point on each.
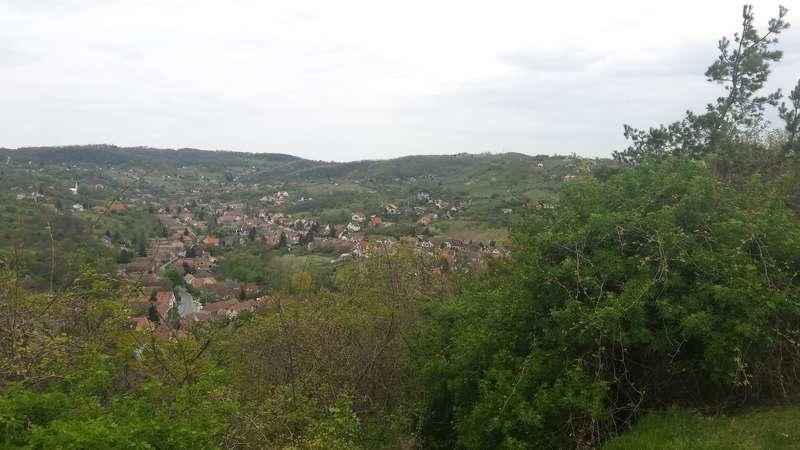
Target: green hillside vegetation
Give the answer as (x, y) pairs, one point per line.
(481, 186)
(138, 157)
(763, 428)
(484, 183)
(275, 269)
(646, 289)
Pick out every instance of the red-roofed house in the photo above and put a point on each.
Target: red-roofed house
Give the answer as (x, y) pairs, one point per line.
(118, 207)
(164, 301)
(230, 308)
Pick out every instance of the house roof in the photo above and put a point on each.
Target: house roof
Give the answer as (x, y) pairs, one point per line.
(164, 296)
(164, 301)
(227, 306)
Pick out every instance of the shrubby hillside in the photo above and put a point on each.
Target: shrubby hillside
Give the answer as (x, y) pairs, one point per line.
(648, 302)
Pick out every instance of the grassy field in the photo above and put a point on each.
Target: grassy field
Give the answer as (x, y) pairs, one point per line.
(468, 231)
(763, 428)
(281, 267)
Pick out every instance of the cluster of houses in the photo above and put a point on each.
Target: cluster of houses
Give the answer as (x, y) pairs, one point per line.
(198, 227)
(172, 313)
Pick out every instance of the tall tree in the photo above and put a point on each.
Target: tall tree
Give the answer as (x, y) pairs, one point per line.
(742, 67)
(282, 241)
(791, 117)
(141, 245)
(152, 313)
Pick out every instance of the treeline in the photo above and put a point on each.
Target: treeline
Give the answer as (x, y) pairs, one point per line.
(145, 157)
(327, 369)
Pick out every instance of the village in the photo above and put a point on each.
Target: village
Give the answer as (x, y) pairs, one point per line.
(177, 271)
(172, 232)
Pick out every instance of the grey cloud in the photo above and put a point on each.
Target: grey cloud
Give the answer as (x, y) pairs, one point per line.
(567, 59)
(294, 80)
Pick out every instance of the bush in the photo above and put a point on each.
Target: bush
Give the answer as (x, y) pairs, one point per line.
(661, 285)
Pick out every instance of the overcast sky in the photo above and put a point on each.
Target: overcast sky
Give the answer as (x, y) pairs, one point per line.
(341, 80)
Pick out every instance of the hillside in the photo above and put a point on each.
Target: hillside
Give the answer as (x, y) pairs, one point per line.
(485, 184)
(513, 167)
(469, 198)
(151, 158)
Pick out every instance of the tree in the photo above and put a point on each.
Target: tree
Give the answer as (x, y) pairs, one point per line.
(282, 241)
(173, 318)
(736, 116)
(791, 117)
(124, 257)
(173, 276)
(743, 71)
(152, 312)
(348, 344)
(141, 245)
(660, 286)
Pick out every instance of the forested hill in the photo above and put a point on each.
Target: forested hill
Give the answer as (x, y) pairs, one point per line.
(105, 155)
(272, 167)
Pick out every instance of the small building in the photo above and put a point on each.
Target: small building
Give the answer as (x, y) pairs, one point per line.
(211, 240)
(165, 300)
(118, 207)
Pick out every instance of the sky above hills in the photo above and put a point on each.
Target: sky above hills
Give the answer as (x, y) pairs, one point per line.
(342, 80)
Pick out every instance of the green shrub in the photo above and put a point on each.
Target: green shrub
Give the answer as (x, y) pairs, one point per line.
(661, 285)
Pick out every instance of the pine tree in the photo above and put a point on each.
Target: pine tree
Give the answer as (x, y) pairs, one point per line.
(738, 115)
(282, 241)
(152, 313)
(141, 247)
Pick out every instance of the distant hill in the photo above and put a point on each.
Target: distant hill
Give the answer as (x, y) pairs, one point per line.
(138, 156)
(505, 168)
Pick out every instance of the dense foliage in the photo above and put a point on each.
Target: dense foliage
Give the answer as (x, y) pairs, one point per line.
(661, 285)
(314, 370)
(669, 279)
